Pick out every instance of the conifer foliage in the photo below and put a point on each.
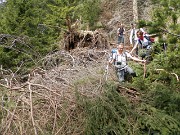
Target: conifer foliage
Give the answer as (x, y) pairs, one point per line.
(35, 27)
(161, 86)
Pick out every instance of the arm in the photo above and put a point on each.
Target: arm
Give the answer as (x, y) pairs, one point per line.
(144, 32)
(118, 31)
(111, 61)
(130, 38)
(141, 29)
(135, 46)
(134, 58)
(124, 31)
(137, 59)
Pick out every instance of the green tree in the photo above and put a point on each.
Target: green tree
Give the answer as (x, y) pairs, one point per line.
(21, 20)
(162, 82)
(41, 23)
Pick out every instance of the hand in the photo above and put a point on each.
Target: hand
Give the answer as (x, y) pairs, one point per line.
(143, 61)
(110, 64)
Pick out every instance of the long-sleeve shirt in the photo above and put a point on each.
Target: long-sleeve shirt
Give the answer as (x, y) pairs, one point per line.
(133, 35)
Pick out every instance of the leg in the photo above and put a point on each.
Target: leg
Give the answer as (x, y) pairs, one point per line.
(119, 39)
(120, 75)
(142, 53)
(148, 55)
(122, 39)
(136, 50)
(130, 71)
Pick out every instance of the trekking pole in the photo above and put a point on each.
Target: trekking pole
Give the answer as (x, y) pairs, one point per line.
(106, 71)
(107, 67)
(144, 70)
(124, 40)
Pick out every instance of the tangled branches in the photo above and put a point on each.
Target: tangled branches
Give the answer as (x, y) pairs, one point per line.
(19, 44)
(46, 102)
(80, 39)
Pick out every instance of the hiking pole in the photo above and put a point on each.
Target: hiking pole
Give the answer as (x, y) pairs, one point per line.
(124, 40)
(107, 66)
(144, 70)
(106, 71)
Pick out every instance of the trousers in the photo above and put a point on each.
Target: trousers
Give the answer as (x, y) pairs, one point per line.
(121, 73)
(120, 39)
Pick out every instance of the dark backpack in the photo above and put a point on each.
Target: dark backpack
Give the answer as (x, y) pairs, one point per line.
(149, 42)
(121, 31)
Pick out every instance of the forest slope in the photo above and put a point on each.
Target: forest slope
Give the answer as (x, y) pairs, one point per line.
(71, 93)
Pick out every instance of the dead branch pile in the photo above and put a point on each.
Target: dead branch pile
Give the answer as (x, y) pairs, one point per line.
(81, 39)
(46, 103)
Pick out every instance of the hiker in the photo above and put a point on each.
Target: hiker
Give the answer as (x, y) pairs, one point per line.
(143, 44)
(133, 36)
(119, 60)
(120, 33)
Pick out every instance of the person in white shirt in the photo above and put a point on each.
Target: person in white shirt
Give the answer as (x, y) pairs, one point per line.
(133, 36)
(120, 62)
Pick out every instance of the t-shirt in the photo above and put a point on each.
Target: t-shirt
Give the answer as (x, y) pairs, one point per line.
(120, 31)
(121, 58)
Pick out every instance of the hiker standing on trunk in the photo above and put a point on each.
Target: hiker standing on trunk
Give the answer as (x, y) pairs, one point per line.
(120, 33)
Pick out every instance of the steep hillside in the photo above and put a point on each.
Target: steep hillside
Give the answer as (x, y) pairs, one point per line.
(46, 102)
(125, 11)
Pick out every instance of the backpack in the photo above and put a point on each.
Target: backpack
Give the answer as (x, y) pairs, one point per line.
(113, 51)
(149, 39)
(145, 45)
(121, 31)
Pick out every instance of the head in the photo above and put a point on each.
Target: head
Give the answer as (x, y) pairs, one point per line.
(120, 47)
(120, 25)
(139, 33)
(133, 25)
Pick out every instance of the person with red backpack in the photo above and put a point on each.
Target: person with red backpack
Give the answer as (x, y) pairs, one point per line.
(120, 33)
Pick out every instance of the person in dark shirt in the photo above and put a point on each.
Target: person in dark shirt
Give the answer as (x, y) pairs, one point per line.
(120, 33)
